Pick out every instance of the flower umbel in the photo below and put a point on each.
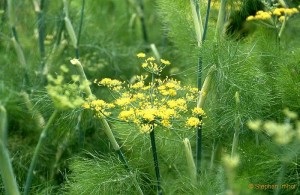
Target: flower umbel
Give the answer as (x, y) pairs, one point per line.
(152, 65)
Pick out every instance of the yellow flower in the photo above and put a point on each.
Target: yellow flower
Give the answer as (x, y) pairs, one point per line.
(144, 65)
(260, 12)
(123, 101)
(166, 123)
(193, 122)
(147, 114)
(146, 128)
(141, 55)
(114, 84)
(139, 96)
(86, 105)
(281, 18)
(99, 106)
(150, 59)
(249, 18)
(266, 16)
(165, 62)
(137, 85)
(198, 112)
(179, 104)
(127, 115)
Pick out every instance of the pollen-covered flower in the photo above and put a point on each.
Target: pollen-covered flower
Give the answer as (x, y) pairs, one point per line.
(127, 115)
(152, 65)
(113, 84)
(141, 55)
(193, 122)
(123, 101)
(281, 18)
(178, 104)
(198, 112)
(146, 128)
(99, 106)
(165, 62)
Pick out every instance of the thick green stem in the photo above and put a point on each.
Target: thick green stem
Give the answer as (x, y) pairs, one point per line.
(155, 159)
(36, 152)
(206, 21)
(198, 147)
(79, 29)
(117, 148)
(38, 7)
(142, 19)
(6, 170)
(197, 21)
(221, 20)
(282, 27)
(190, 161)
(15, 41)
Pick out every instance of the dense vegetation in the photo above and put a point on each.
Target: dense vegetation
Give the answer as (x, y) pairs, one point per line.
(149, 97)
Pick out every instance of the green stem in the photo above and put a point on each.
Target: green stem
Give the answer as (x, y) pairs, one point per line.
(206, 21)
(41, 28)
(155, 159)
(36, 152)
(17, 45)
(221, 20)
(198, 147)
(142, 19)
(79, 29)
(6, 170)
(116, 147)
(282, 27)
(190, 160)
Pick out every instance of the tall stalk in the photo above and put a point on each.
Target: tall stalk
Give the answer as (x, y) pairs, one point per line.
(190, 160)
(200, 36)
(6, 170)
(80, 28)
(39, 9)
(202, 97)
(221, 20)
(15, 40)
(37, 151)
(141, 14)
(155, 159)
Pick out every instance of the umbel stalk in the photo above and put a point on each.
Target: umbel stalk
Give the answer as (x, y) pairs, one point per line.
(155, 159)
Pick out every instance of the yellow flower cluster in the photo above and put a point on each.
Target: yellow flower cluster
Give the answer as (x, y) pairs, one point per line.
(140, 83)
(260, 15)
(66, 95)
(278, 13)
(149, 106)
(282, 133)
(99, 106)
(150, 103)
(169, 87)
(152, 65)
(195, 121)
(113, 84)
